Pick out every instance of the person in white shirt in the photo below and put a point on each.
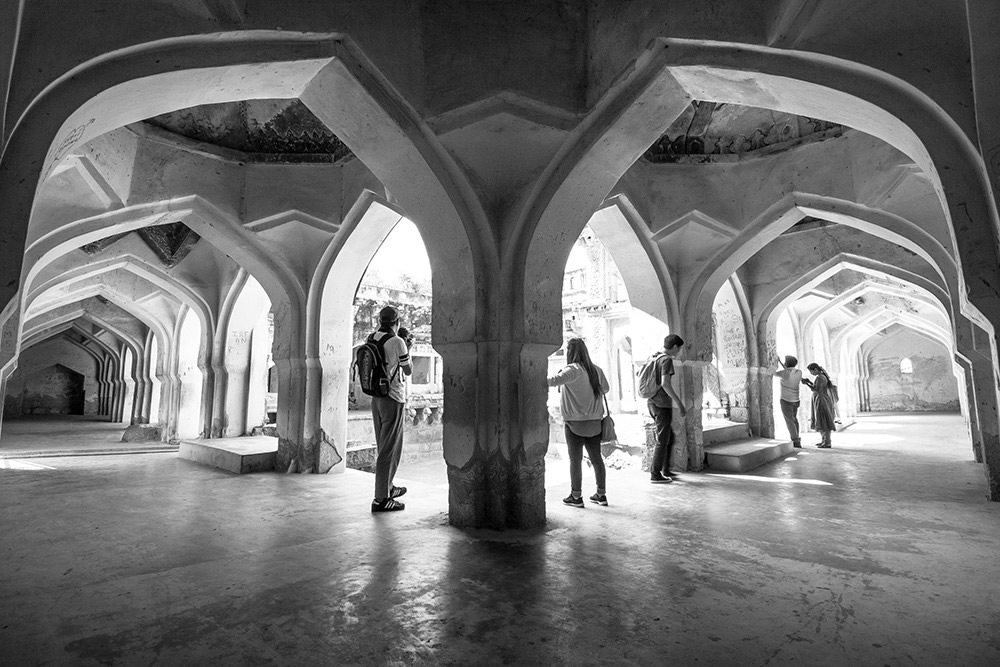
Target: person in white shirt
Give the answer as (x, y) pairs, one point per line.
(583, 386)
(790, 377)
(387, 412)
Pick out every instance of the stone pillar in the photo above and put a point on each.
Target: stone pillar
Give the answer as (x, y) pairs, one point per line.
(140, 375)
(331, 443)
(979, 348)
(233, 379)
(92, 395)
(760, 385)
(496, 432)
(103, 387)
(969, 406)
(989, 424)
(4, 374)
(689, 445)
(300, 380)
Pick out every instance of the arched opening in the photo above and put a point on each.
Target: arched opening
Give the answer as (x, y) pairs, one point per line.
(262, 389)
(786, 344)
(399, 275)
(726, 397)
(248, 339)
(619, 336)
(54, 390)
(189, 377)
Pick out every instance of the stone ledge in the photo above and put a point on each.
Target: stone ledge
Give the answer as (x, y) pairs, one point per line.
(745, 455)
(142, 433)
(717, 433)
(237, 455)
(157, 448)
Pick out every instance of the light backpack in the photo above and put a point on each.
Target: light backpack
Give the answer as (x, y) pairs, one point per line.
(369, 361)
(649, 378)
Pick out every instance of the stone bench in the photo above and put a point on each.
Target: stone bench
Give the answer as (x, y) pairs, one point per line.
(745, 455)
(237, 455)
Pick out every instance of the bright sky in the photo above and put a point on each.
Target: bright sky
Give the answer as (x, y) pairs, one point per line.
(402, 253)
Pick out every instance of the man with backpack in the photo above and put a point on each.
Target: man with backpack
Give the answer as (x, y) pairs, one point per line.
(382, 360)
(655, 384)
(790, 377)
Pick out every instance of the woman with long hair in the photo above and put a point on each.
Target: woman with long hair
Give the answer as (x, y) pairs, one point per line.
(823, 403)
(582, 387)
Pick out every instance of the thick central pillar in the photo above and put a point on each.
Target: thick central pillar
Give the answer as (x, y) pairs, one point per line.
(495, 432)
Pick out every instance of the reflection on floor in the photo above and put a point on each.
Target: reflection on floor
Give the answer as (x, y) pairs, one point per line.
(149, 558)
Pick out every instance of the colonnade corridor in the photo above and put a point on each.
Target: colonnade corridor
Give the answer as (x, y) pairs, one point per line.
(878, 551)
(68, 435)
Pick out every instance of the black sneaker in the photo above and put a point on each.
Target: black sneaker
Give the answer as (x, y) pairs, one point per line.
(397, 491)
(387, 505)
(600, 499)
(573, 501)
(660, 479)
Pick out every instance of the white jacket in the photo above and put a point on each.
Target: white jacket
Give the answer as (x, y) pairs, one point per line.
(577, 400)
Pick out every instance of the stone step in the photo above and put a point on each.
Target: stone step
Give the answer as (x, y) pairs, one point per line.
(717, 433)
(745, 455)
(238, 455)
(110, 450)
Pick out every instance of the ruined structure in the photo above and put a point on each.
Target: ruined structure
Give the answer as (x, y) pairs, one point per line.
(172, 170)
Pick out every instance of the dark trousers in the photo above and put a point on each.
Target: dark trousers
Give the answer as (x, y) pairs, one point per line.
(663, 453)
(575, 444)
(790, 411)
(387, 416)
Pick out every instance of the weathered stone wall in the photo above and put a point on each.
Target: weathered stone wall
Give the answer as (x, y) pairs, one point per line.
(55, 377)
(55, 390)
(930, 387)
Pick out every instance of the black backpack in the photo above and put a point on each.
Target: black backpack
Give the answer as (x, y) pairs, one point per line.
(369, 360)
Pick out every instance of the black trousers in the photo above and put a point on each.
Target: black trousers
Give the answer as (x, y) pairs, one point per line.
(663, 453)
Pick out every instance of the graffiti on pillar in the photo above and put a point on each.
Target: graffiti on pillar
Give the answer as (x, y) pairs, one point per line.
(70, 140)
(728, 385)
(239, 337)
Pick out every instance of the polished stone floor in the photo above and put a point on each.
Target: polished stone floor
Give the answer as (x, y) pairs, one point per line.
(880, 551)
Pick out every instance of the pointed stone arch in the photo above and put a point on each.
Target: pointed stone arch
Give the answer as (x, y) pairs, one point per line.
(767, 315)
(627, 237)
(866, 287)
(331, 298)
(244, 306)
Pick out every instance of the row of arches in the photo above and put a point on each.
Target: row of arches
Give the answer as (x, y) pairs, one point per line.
(497, 279)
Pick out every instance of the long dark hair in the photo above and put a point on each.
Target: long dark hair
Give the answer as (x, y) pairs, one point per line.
(576, 353)
(819, 369)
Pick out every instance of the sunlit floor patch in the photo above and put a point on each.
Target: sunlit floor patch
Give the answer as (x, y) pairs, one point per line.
(18, 464)
(779, 480)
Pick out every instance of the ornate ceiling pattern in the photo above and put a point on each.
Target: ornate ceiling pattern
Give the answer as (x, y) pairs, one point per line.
(266, 130)
(710, 131)
(171, 242)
